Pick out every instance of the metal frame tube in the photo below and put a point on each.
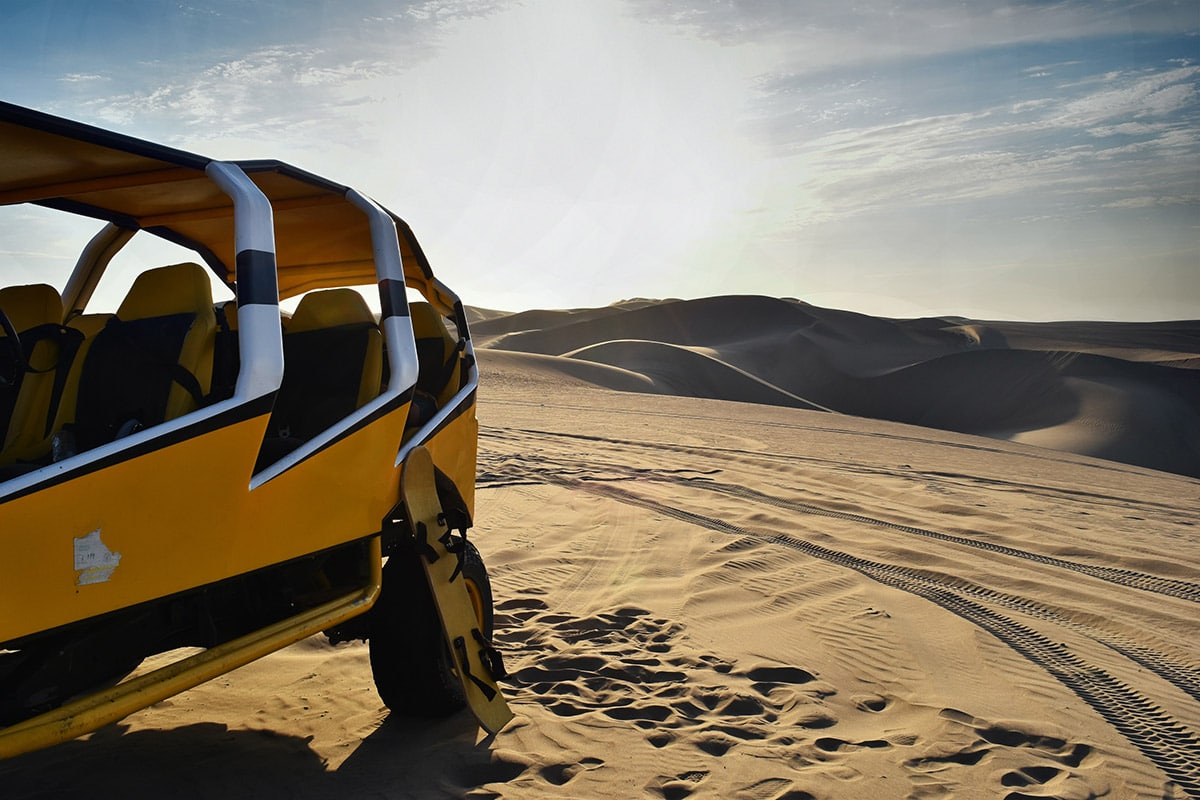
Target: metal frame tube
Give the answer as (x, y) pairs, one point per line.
(389, 272)
(260, 329)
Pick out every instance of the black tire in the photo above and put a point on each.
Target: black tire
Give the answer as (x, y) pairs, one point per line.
(413, 670)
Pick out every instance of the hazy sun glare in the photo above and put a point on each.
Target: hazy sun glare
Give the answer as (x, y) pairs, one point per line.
(903, 158)
(571, 137)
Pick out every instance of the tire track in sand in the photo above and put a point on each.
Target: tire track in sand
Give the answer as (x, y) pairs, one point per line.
(1172, 587)
(1163, 740)
(1127, 578)
(824, 427)
(1184, 677)
(708, 451)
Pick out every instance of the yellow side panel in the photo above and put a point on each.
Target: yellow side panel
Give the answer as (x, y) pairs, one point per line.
(184, 516)
(454, 452)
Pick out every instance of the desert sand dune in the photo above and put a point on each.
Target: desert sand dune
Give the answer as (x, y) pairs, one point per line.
(535, 321)
(532, 371)
(1171, 343)
(678, 370)
(707, 599)
(486, 324)
(1122, 391)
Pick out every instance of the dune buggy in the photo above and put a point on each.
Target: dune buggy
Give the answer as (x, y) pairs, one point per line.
(213, 476)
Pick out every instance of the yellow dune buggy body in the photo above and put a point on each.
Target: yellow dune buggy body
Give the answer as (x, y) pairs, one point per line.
(200, 469)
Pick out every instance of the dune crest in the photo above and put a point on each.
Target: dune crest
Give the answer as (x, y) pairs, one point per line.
(1127, 392)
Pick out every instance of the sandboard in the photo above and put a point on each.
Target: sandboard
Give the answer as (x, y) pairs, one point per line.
(454, 607)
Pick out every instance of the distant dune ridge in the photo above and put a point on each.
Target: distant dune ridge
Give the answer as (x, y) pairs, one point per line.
(1127, 392)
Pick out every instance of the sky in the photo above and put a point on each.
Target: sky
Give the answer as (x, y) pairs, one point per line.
(1028, 159)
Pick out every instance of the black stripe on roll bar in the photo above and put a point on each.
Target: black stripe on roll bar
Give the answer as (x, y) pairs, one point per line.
(256, 279)
(393, 298)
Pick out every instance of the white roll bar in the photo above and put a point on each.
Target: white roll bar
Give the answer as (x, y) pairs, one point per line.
(260, 329)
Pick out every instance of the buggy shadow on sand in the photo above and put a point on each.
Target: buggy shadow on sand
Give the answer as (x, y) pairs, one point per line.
(210, 472)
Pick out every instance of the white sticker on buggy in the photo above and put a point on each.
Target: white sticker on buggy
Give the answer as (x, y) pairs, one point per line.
(93, 560)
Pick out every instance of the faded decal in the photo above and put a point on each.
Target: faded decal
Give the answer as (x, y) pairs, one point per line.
(93, 560)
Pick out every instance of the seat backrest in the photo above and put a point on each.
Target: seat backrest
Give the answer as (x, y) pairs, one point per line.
(30, 306)
(226, 356)
(438, 353)
(30, 371)
(152, 362)
(332, 363)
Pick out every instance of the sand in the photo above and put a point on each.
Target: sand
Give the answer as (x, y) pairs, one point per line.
(1128, 392)
(704, 598)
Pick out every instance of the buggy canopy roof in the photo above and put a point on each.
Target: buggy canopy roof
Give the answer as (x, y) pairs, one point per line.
(322, 239)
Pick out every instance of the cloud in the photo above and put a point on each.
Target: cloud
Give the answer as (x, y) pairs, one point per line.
(1144, 201)
(158, 57)
(444, 11)
(280, 93)
(1046, 70)
(268, 84)
(821, 34)
(79, 77)
(1059, 130)
(1157, 94)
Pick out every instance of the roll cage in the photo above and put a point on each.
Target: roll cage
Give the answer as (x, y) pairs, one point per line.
(268, 230)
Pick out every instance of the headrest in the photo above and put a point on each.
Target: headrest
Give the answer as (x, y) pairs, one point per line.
(30, 306)
(427, 323)
(329, 308)
(177, 289)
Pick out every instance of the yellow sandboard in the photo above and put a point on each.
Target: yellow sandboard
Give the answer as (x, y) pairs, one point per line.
(463, 636)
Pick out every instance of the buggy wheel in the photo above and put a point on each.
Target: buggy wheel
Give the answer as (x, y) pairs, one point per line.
(413, 669)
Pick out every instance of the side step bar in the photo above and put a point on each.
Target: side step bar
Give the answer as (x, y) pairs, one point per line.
(94, 711)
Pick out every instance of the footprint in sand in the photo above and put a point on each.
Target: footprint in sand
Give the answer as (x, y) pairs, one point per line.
(677, 787)
(1042, 762)
(871, 703)
(772, 789)
(561, 774)
(792, 675)
(1030, 776)
(629, 666)
(831, 745)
